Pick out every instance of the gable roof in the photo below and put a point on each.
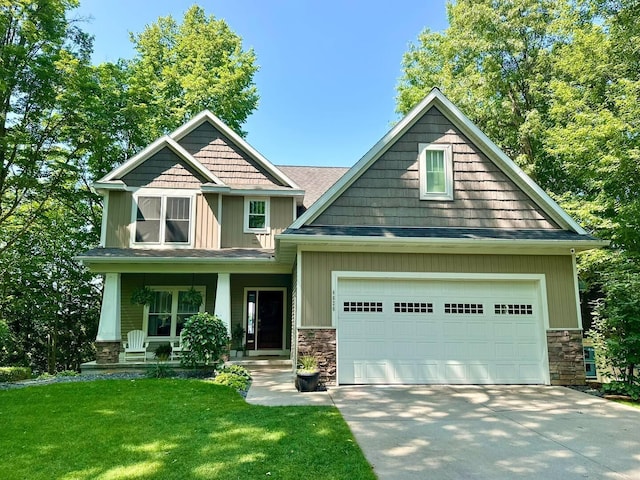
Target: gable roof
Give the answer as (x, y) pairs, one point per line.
(150, 151)
(313, 180)
(207, 116)
(456, 117)
(171, 141)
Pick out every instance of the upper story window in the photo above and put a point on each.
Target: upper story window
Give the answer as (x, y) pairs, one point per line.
(163, 219)
(436, 171)
(256, 215)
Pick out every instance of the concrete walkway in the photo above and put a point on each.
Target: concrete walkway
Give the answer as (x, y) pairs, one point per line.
(275, 387)
(476, 432)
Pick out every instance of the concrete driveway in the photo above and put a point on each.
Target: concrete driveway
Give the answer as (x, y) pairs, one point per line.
(494, 432)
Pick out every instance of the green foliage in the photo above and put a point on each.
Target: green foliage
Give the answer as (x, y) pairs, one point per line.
(622, 388)
(205, 338)
(238, 370)
(163, 351)
(14, 374)
(181, 69)
(237, 336)
(67, 373)
(237, 382)
(192, 297)
(159, 370)
(616, 329)
(142, 296)
(307, 363)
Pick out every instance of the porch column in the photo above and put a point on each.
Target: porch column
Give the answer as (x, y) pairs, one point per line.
(109, 334)
(223, 299)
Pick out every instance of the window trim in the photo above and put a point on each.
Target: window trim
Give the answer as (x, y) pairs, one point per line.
(447, 195)
(163, 195)
(174, 310)
(267, 209)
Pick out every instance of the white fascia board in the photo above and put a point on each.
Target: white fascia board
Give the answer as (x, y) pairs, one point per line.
(206, 115)
(445, 242)
(508, 166)
(173, 260)
(151, 150)
(365, 162)
(110, 185)
(252, 191)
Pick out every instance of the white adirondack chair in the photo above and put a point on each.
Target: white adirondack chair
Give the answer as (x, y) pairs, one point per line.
(177, 348)
(136, 347)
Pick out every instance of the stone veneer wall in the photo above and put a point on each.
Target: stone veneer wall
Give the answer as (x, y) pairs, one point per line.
(321, 343)
(566, 357)
(107, 352)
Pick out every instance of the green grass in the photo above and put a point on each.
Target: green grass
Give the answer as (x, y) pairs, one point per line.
(631, 403)
(166, 429)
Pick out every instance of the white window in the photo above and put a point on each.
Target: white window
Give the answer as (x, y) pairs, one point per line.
(436, 171)
(168, 311)
(163, 219)
(256, 215)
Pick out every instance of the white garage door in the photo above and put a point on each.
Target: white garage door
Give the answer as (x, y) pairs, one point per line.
(439, 331)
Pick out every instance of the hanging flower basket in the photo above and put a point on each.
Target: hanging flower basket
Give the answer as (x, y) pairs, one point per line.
(192, 297)
(142, 296)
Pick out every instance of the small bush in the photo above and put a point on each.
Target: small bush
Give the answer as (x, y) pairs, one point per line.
(205, 338)
(236, 370)
(14, 374)
(67, 373)
(232, 380)
(163, 351)
(159, 370)
(622, 388)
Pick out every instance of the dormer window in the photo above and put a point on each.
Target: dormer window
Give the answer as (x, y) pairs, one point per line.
(163, 219)
(436, 171)
(256, 215)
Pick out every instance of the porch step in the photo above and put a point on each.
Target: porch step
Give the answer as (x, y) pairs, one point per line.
(262, 363)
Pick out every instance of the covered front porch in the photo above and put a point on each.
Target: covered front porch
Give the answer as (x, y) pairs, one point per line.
(252, 300)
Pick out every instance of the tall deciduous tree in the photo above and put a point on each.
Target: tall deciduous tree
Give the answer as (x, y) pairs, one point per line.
(39, 55)
(181, 69)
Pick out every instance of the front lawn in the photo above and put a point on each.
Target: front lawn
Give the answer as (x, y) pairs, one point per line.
(169, 428)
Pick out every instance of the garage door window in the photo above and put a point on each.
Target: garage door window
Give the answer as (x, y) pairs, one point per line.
(413, 307)
(470, 308)
(363, 307)
(513, 309)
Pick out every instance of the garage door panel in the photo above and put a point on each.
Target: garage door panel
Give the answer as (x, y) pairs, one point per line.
(439, 331)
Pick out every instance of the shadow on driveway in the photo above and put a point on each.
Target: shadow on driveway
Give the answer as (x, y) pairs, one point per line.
(491, 432)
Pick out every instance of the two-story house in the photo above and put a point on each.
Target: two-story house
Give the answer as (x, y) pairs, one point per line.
(434, 259)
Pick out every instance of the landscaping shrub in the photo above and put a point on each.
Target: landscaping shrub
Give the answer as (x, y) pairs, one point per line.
(237, 382)
(67, 373)
(205, 339)
(236, 370)
(13, 374)
(622, 388)
(159, 370)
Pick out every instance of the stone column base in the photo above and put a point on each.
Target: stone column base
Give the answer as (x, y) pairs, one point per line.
(321, 343)
(566, 357)
(107, 352)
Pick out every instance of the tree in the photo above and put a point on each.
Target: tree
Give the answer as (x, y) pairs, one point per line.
(39, 55)
(181, 69)
(495, 62)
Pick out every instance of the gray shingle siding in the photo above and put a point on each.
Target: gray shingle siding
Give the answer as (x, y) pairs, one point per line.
(388, 192)
(223, 158)
(165, 169)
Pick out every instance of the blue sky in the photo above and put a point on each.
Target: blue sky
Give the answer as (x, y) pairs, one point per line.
(328, 69)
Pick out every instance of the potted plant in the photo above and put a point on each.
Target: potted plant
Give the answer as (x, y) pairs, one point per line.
(163, 352)
(307, 374)
(237, 336)
(142, 296)
(192, 297)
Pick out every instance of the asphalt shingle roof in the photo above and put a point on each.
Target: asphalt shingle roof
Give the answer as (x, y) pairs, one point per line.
(313, 180)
